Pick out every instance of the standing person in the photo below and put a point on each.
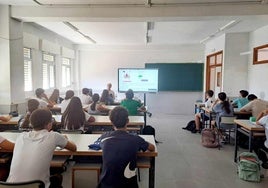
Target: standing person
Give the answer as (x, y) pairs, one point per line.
(120, 153)
(42, 98)
(242, 100)
(74, 116)
(55, 97)
(111, 92)
(34, 150)
(68, 96)
(133, 106)
(222, 107)
(255, 105)
(106, 98)
(86, 99)
(198, 116)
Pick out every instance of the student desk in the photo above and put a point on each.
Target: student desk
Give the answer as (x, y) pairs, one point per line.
(249, 129)
(9, 125)
(241, 115)
(83, 140)
(134, 121)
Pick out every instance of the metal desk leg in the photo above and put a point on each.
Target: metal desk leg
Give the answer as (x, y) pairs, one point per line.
(236, 146)
(250, 141)
(152, 172)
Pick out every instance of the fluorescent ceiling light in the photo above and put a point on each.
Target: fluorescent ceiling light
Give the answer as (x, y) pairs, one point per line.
(230, 24)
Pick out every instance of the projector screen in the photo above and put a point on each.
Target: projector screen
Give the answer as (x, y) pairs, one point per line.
(137, 79)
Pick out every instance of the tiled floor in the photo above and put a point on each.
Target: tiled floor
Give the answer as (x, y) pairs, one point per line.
(182, 161)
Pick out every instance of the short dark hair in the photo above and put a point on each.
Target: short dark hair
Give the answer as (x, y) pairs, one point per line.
(119, 116)
(129, 94)
(243, 93)
(69, 94)
(251, 97)
(39, 91)
(210, 93)
(40, 118)
(85, 91)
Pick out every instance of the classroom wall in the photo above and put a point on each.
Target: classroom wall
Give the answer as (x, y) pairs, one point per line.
(99, 66)
(258, 74)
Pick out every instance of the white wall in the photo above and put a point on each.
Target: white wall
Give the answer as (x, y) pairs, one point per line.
(99, 66)
(258, 74)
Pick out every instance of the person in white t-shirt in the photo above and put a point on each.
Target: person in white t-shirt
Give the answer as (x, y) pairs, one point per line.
(261, 146)
(34, 150)
(6, 145)
(68, 96)
(42, 98)
(198, 117)
(111, 92)
(86, 99)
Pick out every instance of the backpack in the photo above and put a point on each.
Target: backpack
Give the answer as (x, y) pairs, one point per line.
(190, 126)
(149, 130)
(249, 167)
(209, 138)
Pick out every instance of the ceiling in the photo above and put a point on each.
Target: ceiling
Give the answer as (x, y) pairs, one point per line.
(152, 32)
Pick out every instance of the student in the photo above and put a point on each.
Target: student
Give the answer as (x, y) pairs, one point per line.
(74, 116)
(133, 106)
(34, 150)
(85, 97)
(95, 107)
(222, 107)
(255, 105)
(208, 102)
(55, 97)
(242, 100)
(5, 118)
(4, 169)
(120, 153)
(111, 92)
(106, 98)
(32, 104)
(261, 146)
(43, 99)
(68, 95)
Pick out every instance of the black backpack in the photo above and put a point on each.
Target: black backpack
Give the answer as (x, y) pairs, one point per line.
(190, 126)
(149, 130)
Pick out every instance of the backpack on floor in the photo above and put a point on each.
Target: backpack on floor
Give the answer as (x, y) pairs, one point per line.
(190, 126)
(249, 167)
(209, 138)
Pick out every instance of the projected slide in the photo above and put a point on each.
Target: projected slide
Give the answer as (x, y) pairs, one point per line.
(139, 80)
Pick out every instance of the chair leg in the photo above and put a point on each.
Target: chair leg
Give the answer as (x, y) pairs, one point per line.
(139, 175)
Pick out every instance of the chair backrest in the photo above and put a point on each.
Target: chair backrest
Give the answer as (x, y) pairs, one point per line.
(63, 131)
(28, 184)
(227, 119)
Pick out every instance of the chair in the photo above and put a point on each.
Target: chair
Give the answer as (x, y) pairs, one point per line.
(28, 184)
(226, 125)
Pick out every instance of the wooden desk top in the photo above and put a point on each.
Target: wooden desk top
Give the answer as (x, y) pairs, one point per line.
(82, 141)
(237, 112)
(12, 121)
(105, 121)
(248, 125)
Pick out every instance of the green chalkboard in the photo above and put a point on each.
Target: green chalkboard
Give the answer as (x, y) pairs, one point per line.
(179, 76)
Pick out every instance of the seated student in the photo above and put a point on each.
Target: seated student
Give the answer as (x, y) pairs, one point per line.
(255, 105)
(95, 107)
(133, 106)
(68, 95)
(34, 150)
(222, 107)
(85, 97)
(5, 118)
(260, 146)
(6, 145)
(74, 116)
(43, 99)
(106, 98)
(242, 100)
(120, 153)
(111, 92)
(208, 102)
(32, 104)
(55, 97)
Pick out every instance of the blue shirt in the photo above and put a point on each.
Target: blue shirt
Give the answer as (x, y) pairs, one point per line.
(240, 102)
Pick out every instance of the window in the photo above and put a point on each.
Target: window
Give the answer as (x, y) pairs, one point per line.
(28, 84)
(48, 71)
(260, 54)
(66, 72)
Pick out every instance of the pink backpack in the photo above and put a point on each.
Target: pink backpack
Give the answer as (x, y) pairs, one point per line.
(209, 138)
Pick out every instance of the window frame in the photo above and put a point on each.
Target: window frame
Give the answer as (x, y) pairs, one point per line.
(30, 61)
(67, 66)
(255, 55)
(49, 64)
